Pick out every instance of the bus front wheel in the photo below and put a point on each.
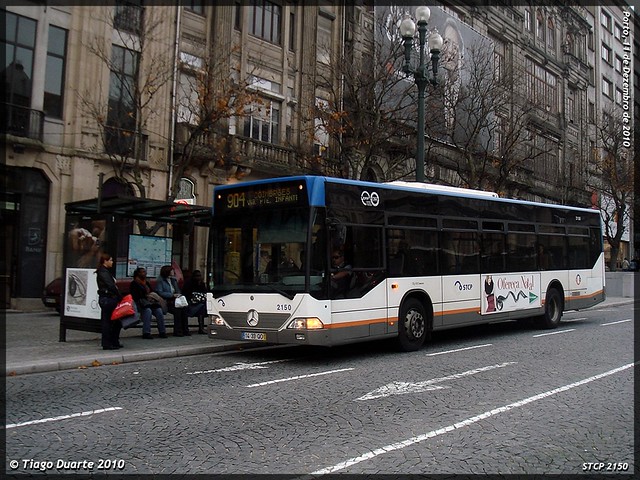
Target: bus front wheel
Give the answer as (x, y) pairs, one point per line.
(412, 325)
(552, 309)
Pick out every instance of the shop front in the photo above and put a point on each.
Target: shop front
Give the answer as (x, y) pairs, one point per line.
(24, 213)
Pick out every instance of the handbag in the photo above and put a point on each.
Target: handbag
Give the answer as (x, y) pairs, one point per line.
(198, 297)
(131, 320)
(153, 297)
(125, 308)
(181, 302)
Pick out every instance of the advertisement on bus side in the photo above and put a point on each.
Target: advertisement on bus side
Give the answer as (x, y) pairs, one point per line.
(508, 292)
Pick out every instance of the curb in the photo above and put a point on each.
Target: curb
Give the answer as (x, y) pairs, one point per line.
(92, 361)
(610, 304)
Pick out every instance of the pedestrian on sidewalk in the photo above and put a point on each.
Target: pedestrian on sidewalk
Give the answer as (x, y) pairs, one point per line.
(108, 298)
(167, 288)
(140, 290)
(196, 292)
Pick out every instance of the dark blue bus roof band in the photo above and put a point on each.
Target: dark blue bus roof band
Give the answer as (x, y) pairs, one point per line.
(316, 191)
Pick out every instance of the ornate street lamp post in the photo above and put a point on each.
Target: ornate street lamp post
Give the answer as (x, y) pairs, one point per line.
(408, 31)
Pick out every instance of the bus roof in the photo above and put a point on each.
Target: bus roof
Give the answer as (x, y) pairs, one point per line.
(430, 187)
(316, 183)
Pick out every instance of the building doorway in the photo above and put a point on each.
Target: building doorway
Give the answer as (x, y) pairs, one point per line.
(8, 215)
(24, 213)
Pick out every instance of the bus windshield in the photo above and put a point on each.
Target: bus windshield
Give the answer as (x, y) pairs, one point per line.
(263, 250)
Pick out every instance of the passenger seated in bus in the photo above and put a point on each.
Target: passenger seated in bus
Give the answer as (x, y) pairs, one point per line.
(543, 258)
(265, 262)
(341, 274)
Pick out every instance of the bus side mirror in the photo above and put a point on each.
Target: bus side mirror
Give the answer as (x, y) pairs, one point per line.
(338, 232)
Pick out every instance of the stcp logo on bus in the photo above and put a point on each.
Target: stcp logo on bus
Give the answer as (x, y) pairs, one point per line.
(370, 199)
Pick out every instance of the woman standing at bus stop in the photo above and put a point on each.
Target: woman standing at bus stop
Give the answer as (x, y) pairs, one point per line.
(108, 298)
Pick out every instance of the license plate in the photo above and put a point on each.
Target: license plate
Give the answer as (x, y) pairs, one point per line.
(254, 336)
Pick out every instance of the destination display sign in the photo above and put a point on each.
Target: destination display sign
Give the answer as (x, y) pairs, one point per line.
(277, 194)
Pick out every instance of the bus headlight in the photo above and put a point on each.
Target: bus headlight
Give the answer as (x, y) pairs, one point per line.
(306, 323)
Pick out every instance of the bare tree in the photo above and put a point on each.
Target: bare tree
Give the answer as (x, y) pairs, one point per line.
(209, 96)
(365, 109)
(142, 68)
(140, 72)
(480, 109)
(613, 179)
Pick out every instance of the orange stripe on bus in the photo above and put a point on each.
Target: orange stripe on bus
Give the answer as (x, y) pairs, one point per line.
(392, 320)
(461, 310)
(577, 297)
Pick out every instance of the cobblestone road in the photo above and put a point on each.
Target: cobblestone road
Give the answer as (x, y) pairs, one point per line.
(501, 398)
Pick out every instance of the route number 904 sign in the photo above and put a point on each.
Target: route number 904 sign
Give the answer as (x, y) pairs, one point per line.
(273, 195)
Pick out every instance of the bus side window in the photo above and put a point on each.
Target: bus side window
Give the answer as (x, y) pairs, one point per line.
(556, 251)
(366, 247)
(396, 265)
(420, 257)
(396, 251)
(522, 252)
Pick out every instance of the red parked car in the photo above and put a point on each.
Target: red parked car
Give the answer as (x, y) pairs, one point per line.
(52, 293)
(51, 296)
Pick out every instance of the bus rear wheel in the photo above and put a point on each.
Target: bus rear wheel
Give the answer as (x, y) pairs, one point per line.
(552, 310)
(412, 325)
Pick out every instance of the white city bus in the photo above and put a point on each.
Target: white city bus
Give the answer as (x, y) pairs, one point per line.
(420, 259)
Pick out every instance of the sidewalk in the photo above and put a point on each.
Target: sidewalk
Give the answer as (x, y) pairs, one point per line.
(32, 344)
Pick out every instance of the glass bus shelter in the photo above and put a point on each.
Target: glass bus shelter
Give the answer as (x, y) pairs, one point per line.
(106, 224)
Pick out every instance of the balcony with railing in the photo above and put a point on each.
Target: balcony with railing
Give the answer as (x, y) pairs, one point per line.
(128, 16)
(263, 153)
(576, 69)
(22, 121)
(236, 149)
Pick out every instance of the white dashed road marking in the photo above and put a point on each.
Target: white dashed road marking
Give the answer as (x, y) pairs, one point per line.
(298, 377)
(554, 333)
(459, 350)
(464, 423)
(63, 417)
(615, 323)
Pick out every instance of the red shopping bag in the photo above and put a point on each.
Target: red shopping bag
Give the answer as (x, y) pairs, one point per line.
(124, 308)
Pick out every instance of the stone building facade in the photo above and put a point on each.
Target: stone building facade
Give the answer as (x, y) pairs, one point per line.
(71, 70)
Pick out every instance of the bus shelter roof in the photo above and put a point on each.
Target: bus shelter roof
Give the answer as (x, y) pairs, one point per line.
(142, 209)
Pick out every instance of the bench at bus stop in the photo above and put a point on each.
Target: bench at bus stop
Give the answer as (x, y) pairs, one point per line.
(94, 325)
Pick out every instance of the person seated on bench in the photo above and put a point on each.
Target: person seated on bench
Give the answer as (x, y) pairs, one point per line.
(167, 288)
(196, 292)
(140, 290)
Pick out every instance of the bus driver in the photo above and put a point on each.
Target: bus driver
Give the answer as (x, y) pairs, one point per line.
(341, 274)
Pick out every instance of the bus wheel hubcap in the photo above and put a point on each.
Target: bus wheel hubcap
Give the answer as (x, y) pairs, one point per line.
(414, 324)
